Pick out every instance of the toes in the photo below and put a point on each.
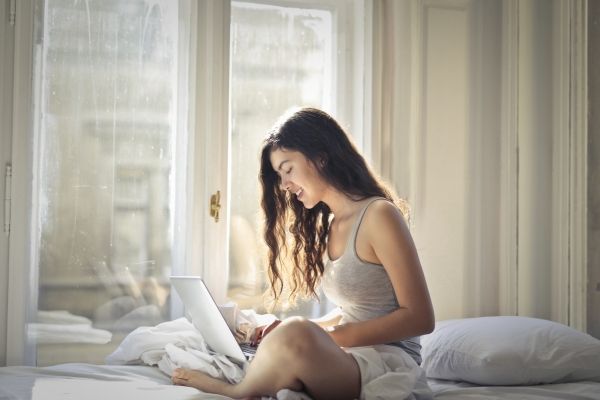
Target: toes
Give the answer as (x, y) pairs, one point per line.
(179, 381)
(179, 374)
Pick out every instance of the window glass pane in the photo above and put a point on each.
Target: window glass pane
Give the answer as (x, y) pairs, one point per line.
(280, 57)
(107, 110)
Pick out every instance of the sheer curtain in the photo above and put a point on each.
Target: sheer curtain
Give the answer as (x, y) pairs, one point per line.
(392, 90)
(429, 147)
(478, 106)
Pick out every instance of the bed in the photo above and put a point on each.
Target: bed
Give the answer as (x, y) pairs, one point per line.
(474, 358)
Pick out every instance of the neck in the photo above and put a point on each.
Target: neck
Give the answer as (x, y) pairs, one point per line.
(341, 205)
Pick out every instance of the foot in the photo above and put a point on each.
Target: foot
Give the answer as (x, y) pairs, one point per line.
(192, 378)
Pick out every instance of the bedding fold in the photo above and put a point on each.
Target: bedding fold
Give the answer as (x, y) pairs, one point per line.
(387, 372)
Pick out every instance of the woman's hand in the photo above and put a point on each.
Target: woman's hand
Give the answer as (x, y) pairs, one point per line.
(261, 331)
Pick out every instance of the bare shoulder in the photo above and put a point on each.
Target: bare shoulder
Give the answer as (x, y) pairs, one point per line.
(382, 211)
(384, 218)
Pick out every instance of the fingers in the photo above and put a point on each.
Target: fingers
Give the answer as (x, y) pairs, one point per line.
(240, 336)
(269, 328)
(258, 335)
(262, 331)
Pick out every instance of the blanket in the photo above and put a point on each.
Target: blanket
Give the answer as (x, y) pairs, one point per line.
(387, 372)
(177, 344)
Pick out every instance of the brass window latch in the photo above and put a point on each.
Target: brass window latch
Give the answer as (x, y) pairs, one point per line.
(215, 205)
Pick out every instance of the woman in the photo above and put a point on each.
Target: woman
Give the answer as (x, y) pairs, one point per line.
(346, 234)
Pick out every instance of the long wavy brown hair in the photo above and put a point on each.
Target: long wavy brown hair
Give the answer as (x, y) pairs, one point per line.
(324, 143)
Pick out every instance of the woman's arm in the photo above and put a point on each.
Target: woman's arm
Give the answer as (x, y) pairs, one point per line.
(390, 244)
(332, 318)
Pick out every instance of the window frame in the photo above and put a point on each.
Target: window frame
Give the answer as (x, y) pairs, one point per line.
(206, 114)
(347, 76)
(20, 296)
(202, 243)
(352, 23)
(7, 30)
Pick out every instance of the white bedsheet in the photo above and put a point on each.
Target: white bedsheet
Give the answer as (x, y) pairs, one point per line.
(387, 372)
(87, 381)
(447, 390)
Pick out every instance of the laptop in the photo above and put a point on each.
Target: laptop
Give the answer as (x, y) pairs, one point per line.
(207, 318)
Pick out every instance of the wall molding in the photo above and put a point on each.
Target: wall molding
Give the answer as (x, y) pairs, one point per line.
(578, 165)
(561, 170)
(418, 125)
(564, 181)
(568, 176)
(443, 152)
(447, 4)
(569, 241)
(416, 122)
(508, 291)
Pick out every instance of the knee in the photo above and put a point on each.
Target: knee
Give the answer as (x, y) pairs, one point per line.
(295, 336)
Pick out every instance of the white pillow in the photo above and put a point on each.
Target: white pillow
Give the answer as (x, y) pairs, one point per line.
(509, 351)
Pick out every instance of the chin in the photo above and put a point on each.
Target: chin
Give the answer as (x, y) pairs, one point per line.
(309, 205)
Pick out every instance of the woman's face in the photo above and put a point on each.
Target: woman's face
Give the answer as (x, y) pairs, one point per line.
(299, 176)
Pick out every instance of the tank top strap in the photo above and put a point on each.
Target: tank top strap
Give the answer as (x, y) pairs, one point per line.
(351, 245)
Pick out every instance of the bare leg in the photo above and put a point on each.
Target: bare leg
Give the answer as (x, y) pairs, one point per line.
(298, 355)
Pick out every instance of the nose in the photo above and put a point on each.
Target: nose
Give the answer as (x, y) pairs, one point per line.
(285, 184)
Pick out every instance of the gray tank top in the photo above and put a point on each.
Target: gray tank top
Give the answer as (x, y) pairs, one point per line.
(361, 289)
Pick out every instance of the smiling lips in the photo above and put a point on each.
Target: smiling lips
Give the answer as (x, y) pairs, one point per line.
(299, 193)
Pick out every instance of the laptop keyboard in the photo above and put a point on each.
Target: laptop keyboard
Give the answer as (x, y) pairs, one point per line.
(248, 348)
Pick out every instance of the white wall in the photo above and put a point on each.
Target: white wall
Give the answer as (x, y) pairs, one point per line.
(490, 136)
(535, 158)
(455, 151)
(443, 156)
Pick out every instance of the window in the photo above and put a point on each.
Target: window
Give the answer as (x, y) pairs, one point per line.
(108, 131)
(129, 139)
(283, 54)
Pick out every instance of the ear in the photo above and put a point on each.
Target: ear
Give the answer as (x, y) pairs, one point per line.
(322, 161)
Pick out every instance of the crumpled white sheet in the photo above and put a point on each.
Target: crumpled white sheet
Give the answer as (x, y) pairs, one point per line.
(171, 345)
(387, 372)
(176, 344)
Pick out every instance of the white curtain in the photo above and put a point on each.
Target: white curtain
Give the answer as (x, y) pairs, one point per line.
(458, 101)
(391, 91)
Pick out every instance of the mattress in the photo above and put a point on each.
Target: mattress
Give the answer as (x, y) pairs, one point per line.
(88, 381)
(448, 390)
